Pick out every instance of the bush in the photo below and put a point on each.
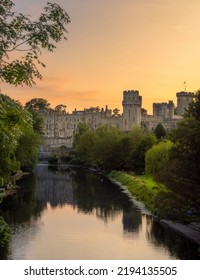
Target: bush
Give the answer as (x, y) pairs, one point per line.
(4, 232)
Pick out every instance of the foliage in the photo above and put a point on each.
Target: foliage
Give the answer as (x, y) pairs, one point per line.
(106, 147)
(138, 155)
(155, 196)
(143, 189)
(85, 148)
(60, 108)
(37, 104)
(182, 170)
(19, 34)
(193, 110)
(12, 119)
(4, 232)
(17, 137)
(157, 158)
(109, 148)
(27, 150)
(38, 122)
(143, 112)
(82, 128)
(171, 205)
(160, 131)
(116, 112)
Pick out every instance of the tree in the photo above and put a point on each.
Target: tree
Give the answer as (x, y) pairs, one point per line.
(94, 109)
(60, 108)
(13, 120)
(116, 112)
(19, 138)
(137, 158)
(85, 147)
(193, 110)
(37, 104)
(82, 128)
(143, 112)
(38, 122)
(106, 148)
(157, 158)
(19, 34)
(184, 168)
(160, 131)
(27, 149)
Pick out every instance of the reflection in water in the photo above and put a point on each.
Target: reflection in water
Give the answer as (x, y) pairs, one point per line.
(84, 190)
(131, 220)
(78, 215)
(176, 244)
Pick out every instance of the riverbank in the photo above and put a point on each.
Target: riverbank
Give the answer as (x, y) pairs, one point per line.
(190, 231)
(142, 189)
(11, 187)
(144, 193)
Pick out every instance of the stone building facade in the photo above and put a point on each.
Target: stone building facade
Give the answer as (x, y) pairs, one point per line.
(60, 127)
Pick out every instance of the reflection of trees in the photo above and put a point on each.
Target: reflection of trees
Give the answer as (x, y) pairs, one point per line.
(54, 186)
(19, 207)
(95, 194)
(132, 219)
(177, 245)
(87, 192)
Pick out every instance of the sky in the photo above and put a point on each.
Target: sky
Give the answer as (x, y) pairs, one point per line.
(114, 45)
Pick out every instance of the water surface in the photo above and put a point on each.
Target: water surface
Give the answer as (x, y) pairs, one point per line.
(74, 214)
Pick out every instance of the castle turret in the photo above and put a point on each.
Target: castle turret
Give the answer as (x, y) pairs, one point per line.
(132, 103)
(183, 100)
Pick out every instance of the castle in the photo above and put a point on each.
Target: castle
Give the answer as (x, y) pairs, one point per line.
(60, 127)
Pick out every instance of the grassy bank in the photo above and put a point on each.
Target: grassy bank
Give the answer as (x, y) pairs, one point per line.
(142, 188)
(161, 201)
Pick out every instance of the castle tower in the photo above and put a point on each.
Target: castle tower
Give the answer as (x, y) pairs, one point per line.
(183, 100)
(160, 109)
(170, 109)
(131, 103)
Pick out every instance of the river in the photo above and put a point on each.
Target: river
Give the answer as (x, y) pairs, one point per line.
(74, 214)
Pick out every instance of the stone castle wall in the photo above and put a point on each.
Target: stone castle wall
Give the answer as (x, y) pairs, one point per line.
(60, 127)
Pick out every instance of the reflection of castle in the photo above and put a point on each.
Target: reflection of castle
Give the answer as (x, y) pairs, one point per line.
(60, 127)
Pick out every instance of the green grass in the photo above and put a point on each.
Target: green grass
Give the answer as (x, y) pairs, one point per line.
(143, 188)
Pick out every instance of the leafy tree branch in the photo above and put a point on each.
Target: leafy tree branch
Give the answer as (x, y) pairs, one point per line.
(18, 33)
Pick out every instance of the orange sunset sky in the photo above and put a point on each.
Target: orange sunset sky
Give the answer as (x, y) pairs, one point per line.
(114, 45)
